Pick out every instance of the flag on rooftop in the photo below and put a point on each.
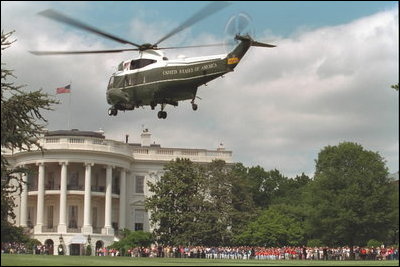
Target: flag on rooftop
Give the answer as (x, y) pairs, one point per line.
(64, 90)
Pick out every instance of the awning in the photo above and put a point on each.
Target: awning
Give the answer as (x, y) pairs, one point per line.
(78, 239)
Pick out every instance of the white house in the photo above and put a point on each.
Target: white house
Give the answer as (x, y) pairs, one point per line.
(83, 187)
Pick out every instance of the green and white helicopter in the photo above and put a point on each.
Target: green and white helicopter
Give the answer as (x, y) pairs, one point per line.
(152, 78)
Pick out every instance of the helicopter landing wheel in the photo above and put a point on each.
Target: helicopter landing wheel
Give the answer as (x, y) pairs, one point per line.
(162, 115)
(112, 112)
(194, 106)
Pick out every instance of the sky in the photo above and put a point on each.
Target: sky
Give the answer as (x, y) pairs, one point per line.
(327, 81)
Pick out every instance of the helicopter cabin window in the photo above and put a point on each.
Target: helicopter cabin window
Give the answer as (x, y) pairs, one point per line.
(130, 80)
(140, 63)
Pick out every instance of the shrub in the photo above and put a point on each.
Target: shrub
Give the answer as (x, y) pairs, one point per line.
(314, 243)
(89, 250)
(373, 243)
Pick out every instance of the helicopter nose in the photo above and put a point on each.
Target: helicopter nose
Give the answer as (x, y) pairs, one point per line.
(116, 96)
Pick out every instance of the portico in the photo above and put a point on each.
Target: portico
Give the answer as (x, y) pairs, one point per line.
(64, 192)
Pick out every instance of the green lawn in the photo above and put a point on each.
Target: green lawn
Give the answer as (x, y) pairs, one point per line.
(42, 260)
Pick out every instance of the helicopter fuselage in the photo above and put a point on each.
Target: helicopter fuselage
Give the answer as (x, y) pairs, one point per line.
(152, 79)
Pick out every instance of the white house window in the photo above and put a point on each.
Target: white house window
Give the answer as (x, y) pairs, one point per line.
(115, 185)
(73, 217)
(74, 181)
(32, 182)
(139, 219)
(50, 210)
(50, 181)
(94, 217)
(30, 217)
(139, 184)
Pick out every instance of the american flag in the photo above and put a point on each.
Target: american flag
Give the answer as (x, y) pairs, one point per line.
(65, 89)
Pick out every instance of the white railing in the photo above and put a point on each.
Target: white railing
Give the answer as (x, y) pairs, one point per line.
(86, 143)
(79, 143)
(138, 153)
(168, 154)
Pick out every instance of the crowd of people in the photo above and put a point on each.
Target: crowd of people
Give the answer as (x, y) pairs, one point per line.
(14, 248)
(243, 252)
(260, 253)
(20, 248)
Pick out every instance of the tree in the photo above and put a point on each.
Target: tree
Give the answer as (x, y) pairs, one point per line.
(214, 216)
(199, 204)
(177, 202)
(20, 127)
(395, 87)
(243, 206)
(350, 197)
(264, 184)
(290, 191)
(273, 228)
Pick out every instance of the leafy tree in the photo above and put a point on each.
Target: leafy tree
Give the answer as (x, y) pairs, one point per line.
(243, 206)
(214, 216)
(20, 118)
(177, 202)
(273, 228)
(350, 197)
(290, 191)
(393, 235)
(395, 87)
(197, 204)
(264, 184)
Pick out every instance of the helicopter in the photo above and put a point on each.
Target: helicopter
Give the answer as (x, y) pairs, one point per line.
(152, 79)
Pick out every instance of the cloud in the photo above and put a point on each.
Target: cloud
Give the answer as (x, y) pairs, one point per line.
(278, 109)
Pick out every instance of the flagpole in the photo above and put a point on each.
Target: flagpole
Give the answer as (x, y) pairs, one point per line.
(69, 107)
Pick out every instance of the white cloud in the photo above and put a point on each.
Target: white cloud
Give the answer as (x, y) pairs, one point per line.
(278, 109)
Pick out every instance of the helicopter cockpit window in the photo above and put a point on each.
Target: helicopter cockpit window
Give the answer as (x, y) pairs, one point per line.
(140, 63)
(121, 66)
(111, 82)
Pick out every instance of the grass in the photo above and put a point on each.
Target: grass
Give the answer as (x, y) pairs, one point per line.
(43, 260)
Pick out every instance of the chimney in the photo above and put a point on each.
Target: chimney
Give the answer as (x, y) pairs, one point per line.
(146, 137)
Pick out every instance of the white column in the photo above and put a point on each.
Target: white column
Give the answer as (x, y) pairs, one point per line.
(24, 201)
(40, 199)
(87, 220)
(122, 200)
(108, 203)
(62, 224)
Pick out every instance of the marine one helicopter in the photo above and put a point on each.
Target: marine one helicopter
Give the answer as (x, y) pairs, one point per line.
(152, 78)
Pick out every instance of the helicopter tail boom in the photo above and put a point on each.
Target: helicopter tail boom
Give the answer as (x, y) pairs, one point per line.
(247, 38)
(240, 50)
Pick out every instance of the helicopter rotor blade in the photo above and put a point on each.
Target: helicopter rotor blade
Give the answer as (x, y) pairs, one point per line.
(200, 15)
(191, 46)
(53, 53)
(57, 16)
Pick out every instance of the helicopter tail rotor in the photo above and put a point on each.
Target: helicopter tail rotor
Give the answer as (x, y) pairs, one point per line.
(240, 28)
(237, 25)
